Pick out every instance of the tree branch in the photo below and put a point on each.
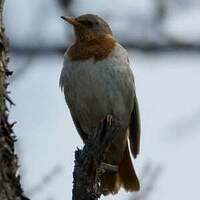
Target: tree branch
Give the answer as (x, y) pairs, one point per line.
(89, 162)
(58, 49)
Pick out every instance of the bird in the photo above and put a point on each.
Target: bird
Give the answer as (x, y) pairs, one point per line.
(98, 82)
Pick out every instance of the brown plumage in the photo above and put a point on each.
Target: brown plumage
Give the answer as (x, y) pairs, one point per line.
(98, 48)
(126, 177)
(97, 82)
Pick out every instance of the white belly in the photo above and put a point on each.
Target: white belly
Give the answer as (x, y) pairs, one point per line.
(94, 90)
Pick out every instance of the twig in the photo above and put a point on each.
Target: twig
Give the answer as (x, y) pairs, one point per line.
(149, 178)
(47, 179)
(58, 49)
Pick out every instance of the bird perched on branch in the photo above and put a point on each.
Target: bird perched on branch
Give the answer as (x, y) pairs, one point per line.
(98, 82)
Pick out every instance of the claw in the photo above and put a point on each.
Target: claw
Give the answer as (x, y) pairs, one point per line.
(109, 119)
(109, 168)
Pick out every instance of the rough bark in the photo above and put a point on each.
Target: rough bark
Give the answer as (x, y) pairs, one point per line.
(89, 162)
(10, 188)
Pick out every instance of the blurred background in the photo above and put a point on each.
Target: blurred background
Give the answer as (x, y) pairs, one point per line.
(163, 41)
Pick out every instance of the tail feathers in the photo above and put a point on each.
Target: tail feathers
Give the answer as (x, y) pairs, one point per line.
(127, 173)
(126, 177)
(110, 183)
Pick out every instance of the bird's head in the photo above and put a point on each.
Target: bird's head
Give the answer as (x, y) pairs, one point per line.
(88, 27)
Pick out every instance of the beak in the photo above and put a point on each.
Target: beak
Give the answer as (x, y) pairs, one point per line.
(71, 20)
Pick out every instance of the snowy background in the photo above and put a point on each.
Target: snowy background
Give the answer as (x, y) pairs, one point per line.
(167, 88)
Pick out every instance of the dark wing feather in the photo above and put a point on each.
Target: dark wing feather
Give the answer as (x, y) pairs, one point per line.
(135, 129)
(78, 127)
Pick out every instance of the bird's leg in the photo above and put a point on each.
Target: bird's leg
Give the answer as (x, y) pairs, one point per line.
(106, 167)
(109, 119)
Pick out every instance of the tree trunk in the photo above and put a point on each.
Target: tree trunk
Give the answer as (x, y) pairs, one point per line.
(10, 188)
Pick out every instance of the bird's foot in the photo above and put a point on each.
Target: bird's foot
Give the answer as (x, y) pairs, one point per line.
(109, 168)
(109, 119)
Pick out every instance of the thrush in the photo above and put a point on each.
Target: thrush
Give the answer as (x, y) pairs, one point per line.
(98, 82)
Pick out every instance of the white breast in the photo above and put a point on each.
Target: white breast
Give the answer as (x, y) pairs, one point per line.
(95, 89)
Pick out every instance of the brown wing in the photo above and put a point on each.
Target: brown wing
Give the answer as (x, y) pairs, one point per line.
(135, 129)
(82, 134)
(64, 86)
(78, 127)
